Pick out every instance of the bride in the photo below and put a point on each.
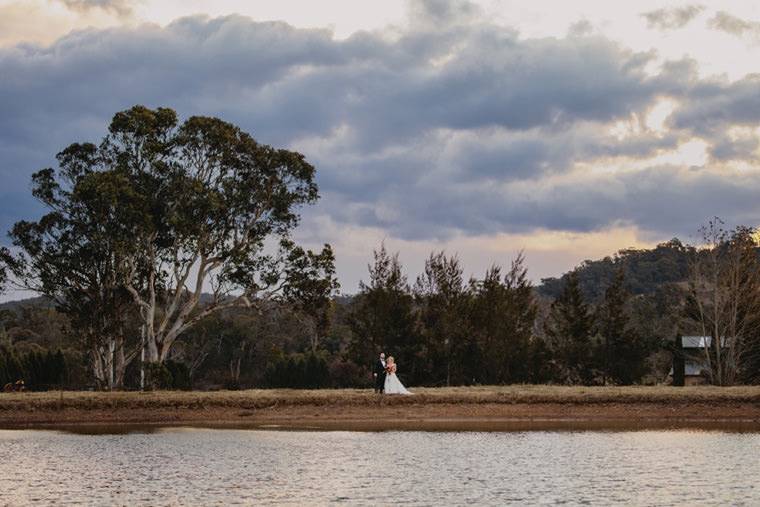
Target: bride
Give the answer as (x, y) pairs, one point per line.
(392, 384)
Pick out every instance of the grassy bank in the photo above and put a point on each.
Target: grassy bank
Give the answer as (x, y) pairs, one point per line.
(283, 398)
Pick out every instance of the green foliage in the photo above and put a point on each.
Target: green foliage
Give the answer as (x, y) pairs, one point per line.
(622, 350)
(214, 196)
(180, 374)
(311, 284)
(224, 347)
(157, 376)
(11, 365)
(502, 317)
(346, 373)
(569, 328)
(75, 255)
(382, 317)
(40, 369)
(308, 371)
(443, 299)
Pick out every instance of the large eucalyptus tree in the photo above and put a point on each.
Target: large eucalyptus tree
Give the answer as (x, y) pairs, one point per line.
(179, 210)
(73, 256)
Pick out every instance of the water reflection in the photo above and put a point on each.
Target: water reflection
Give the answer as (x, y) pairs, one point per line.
(182, 466)
(438, 425)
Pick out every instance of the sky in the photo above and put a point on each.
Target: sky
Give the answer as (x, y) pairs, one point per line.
(563, 130)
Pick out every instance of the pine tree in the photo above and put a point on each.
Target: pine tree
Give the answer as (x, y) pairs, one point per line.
(569, 328)
(622, 350)
(383, 320)
(502, 317)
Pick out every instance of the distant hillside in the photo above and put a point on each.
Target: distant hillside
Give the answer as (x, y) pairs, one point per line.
(646, 271)
(16, 306)
(44, 302)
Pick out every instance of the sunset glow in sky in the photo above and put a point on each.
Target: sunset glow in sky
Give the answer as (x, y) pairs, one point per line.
(567, 130)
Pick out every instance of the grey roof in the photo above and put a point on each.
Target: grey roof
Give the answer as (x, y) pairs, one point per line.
(698, 342)
(694, 342)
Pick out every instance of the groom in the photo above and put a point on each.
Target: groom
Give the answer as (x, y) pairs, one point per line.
(379, 373)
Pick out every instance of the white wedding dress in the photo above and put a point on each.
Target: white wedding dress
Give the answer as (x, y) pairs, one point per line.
(393, 385)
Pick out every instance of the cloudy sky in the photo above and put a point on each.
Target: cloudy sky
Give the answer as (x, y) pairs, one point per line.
(567, 130)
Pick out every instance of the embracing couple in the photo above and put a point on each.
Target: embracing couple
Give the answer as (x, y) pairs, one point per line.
(386, 380)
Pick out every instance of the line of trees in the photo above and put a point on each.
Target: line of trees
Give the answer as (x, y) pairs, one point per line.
(588, 327)
(448, 331)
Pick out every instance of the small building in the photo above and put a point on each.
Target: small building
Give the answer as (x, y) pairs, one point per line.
(689, 361)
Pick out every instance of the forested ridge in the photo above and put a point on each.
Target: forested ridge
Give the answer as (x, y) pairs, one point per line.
(647, 271)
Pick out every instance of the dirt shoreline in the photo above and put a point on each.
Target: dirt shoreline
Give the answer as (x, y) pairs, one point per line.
(445, 408)
(388, 415)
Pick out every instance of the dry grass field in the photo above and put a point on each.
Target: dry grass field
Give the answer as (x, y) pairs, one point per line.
(357, 408)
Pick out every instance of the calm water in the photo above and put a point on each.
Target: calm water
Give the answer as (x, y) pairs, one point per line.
(243, 467)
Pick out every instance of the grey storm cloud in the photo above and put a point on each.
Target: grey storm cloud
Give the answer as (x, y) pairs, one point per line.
(686, 198)
(711, 107)
(448, 128)
(742, 149)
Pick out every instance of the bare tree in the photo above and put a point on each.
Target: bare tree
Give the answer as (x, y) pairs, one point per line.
(724, 299)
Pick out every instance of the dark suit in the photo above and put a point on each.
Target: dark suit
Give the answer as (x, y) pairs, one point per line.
(379, 373)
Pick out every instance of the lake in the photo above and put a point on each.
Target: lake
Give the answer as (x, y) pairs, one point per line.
(197, 466)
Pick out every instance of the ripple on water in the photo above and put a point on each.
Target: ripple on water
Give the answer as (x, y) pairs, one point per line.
(204, 466)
